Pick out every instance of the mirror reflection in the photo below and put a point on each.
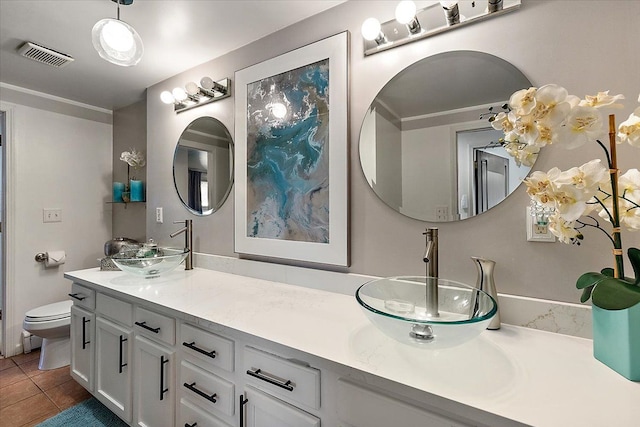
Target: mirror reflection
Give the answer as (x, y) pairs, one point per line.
(424, 149)
(203, 165)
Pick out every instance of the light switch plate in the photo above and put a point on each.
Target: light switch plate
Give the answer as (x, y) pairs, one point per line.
(536, 233)
(159, 218)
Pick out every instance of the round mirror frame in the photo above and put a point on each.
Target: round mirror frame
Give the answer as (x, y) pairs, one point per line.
(217, 202)
(404, 98)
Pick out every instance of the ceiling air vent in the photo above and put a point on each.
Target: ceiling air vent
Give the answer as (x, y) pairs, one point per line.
(44, 55)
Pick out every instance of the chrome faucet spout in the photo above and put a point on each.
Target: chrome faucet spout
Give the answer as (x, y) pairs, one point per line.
(188, 240)
(431, 259)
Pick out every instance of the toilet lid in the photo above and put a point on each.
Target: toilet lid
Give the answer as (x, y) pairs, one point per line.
(55, 311)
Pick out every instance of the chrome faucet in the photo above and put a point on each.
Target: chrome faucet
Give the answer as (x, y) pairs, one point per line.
(188, 240)
(431, 259)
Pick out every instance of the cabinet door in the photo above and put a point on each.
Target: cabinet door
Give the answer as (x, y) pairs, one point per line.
(263, 410)
(82, 346)
(154, 384)
(113, 371)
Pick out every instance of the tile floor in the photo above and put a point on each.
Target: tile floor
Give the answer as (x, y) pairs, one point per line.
(29, 396)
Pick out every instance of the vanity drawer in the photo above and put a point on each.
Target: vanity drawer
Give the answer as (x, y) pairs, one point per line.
(115, 309)
(155, 326)
(291, 381)
(208, 390)
(192, 415)
(83, 296)
(210, 348)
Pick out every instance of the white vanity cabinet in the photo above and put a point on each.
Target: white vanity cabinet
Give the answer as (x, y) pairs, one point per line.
(277, 389)
(205, 377)
(155, 368)
(154, 384)
(114, 342)
(82, 346)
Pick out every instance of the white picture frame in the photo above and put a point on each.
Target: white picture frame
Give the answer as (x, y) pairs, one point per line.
(324, 241)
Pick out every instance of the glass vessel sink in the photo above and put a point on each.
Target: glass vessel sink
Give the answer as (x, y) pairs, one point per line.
(397, 306)
(149, 265)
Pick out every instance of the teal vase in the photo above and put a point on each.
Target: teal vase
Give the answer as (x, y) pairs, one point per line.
(616, 339)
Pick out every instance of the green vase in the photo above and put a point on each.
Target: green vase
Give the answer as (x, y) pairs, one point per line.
(616, 339)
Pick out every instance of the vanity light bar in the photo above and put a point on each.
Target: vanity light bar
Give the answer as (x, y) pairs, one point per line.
(429, 21)
(194, 95)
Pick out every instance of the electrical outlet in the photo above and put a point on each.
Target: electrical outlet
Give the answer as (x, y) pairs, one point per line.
(442, 213)
(537, 233)
(159, 219)
(51, 215)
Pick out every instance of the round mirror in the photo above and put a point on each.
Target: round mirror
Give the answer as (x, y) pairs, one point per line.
(424, 148)
(203, 165)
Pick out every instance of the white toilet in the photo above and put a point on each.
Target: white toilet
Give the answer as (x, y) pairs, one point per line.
(52, 323)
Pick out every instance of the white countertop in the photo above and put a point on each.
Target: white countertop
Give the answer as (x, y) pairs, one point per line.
(533, 377)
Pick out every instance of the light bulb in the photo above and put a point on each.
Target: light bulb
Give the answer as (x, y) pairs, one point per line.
(192, 88)
(371, 29)
(167, 97)
(207, 83)
(117, 36)
(448, 4)
(179, 94)
(405, 11)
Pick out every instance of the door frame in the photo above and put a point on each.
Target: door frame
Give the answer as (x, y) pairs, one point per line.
(8, 233)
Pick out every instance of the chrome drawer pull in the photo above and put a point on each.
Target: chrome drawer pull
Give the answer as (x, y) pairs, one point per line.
(148, 328)
(271, 379)
(192, 346)
(193, 388)
(77, 296)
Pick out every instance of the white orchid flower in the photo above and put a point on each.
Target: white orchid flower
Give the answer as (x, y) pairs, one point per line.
(602, 99)
(551, 107)
(583, 124)
(540, 186)
(561, 228)
(133, 158)
(571, 202)
(523, 101)
(629, 130)
(629, 185)
(502, 121)
(586, 178)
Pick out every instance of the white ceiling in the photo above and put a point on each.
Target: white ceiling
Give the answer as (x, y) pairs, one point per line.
(177, 35)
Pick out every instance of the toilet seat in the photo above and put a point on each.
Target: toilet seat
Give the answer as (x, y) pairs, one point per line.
(50, 312)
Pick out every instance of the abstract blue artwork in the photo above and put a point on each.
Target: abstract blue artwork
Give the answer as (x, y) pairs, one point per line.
(292, 155)
(287, 155)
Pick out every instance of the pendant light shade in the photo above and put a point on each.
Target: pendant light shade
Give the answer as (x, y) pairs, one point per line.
(117, 42)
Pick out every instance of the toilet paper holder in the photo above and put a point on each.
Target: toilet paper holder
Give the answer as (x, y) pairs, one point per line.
(41, 257)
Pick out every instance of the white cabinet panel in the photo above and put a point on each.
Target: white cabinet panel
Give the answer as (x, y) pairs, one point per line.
(359, 406)
(154, 386)
(265, 411)
(209, 348)
(83, 296)
(115, 309)
(192, 416)
(284, 378)
(82, 346)
(210, 391)
(113, 371)
(155, 326)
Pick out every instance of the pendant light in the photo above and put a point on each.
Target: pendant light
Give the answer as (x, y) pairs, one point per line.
(116, 41)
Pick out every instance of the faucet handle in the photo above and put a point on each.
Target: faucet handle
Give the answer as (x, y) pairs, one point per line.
(181, 221)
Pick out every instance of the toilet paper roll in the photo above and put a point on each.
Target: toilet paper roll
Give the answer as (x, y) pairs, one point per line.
(55, 258)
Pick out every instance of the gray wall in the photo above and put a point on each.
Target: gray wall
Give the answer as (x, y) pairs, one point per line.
(585, 46)
(129, 131)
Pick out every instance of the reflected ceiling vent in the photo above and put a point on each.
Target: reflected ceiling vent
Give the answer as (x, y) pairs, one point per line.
(44, 55)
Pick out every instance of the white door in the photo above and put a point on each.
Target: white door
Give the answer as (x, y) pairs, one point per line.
(82, 346)
(113, 371)
(154, 384)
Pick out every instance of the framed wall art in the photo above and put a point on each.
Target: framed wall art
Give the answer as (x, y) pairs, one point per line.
(292, 153)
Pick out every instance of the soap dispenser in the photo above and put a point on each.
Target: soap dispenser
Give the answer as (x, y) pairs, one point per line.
(485, 283)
